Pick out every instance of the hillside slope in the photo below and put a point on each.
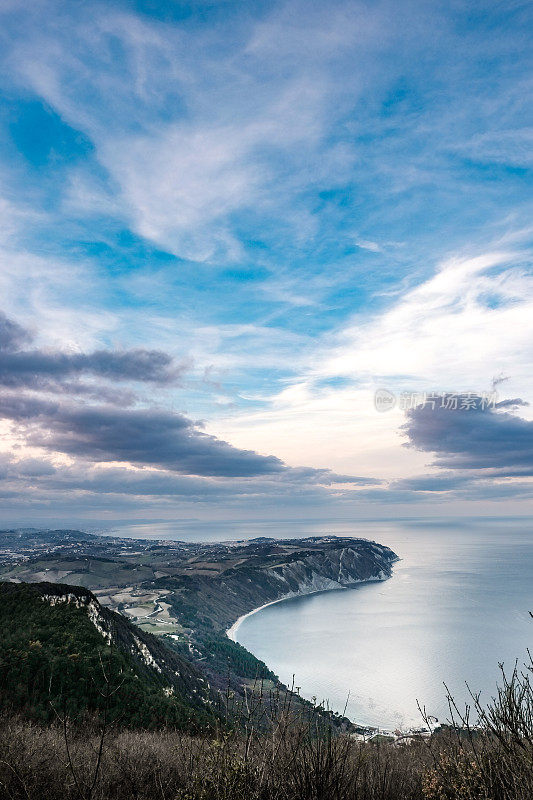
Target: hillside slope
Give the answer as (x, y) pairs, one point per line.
(60, 650)
(191, 593)
(258, 572)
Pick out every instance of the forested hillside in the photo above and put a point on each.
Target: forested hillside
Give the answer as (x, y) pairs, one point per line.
(61, 652)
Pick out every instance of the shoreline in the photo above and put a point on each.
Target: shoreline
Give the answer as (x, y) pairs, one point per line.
(231, 632)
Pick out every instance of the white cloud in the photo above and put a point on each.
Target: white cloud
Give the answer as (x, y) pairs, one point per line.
(453, 331)
(206, 140)
(57, 299)
(456, 331)
(185, 141)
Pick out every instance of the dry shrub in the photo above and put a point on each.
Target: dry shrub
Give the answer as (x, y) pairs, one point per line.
(290, 755)
(290, 763)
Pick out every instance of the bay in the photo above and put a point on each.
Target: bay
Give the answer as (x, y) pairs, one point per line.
(458, 604)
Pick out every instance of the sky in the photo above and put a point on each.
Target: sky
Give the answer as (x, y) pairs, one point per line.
(226, 226)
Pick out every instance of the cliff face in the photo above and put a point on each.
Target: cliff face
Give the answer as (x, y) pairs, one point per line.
(333, 569)
(147, 654)
(260, 573)
(325, 571)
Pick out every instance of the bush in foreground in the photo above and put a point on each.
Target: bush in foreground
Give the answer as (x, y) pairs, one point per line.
(291, 755)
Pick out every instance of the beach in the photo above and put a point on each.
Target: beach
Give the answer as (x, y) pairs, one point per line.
(231, 633)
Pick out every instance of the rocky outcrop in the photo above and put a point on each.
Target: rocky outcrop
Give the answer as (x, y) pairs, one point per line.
(82, 600)
(150, 654)
(334, 568)
(262, 572)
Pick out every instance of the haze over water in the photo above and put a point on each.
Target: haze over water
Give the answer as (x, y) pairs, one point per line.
(458, 603)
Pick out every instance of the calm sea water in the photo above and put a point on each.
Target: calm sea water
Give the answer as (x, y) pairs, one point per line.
(458, 604)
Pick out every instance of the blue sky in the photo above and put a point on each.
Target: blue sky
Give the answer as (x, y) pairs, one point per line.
(280, 207)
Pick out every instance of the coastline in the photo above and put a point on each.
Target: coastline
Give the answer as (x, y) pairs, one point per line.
(231, 632)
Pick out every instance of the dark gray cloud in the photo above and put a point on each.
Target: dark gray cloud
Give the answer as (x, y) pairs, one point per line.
(473, 438)
(139, 436)
(150, 437)
(189, 463)
(485, 451)
(120, 395)
(36, 368)
(39, 369)
(24, 467)
(68, 489)
(34, 468)
(98, 479)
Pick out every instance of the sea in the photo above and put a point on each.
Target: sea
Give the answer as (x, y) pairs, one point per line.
(454, 614)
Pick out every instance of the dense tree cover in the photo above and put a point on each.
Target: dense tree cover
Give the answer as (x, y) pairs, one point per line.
(53, 660)
(223, 654)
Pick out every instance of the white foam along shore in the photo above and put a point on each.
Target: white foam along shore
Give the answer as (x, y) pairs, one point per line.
(231, 633)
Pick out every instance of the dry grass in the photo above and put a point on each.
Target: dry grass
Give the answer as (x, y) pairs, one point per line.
(288, 756)
(288, 764)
